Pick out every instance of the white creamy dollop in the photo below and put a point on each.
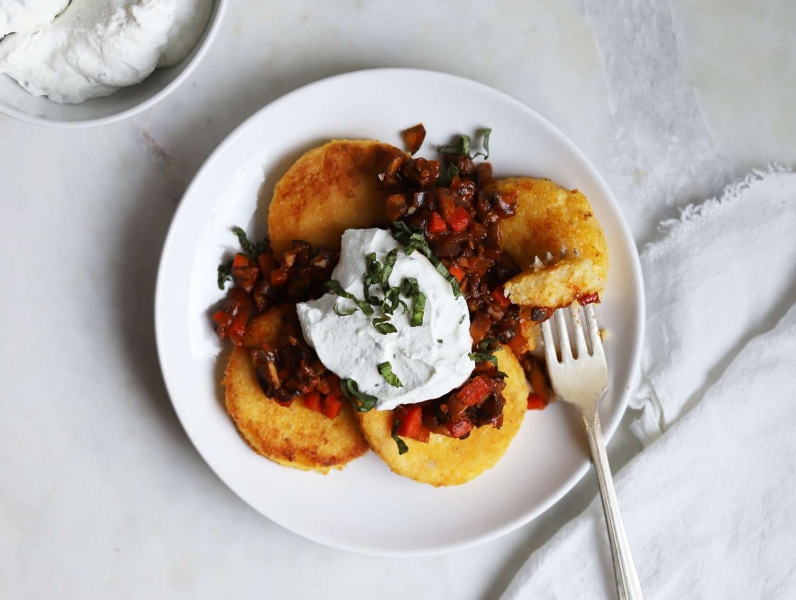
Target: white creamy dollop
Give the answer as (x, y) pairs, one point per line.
(96, 47)
(430, 359)
(23, 15)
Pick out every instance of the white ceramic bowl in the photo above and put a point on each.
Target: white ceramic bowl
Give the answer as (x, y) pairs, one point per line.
(16, 102)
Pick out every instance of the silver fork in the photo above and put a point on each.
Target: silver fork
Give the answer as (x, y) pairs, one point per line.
(582, 381)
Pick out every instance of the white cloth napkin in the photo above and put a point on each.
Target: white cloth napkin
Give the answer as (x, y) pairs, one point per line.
(710, 507)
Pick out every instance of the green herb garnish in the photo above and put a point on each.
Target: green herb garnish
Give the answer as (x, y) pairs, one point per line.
(385, 369)
(446, 177)
(402, 447)
(250, 247)
(224, 274)
(443, 270)
(464, 146)
(389, 263)
(335, 287)
(382, 325)
(343, 314)
(361, 401)
(485, 353)
(371, 276)
(418, 309)
(392, 300)
(487, 133)
(413, 239)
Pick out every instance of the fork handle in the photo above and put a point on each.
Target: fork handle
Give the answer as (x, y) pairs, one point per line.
(627, 582)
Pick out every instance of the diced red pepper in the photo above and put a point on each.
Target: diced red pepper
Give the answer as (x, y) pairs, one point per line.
(436, 224)
(331, 405)
(475, 391)
(240, 318)
(220, 317)
(518, 345)
(241, 260)
(423, 435)
(410, 420)
(535, 401)
(588, 299)
(457, 272)
(313, 401)
(460, 428)
(278, 278)
(459, 220)
(500, 299)
(245, 272)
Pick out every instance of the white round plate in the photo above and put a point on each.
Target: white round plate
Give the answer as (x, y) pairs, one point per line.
(365, 508)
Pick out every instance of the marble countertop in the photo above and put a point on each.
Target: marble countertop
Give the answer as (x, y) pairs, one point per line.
(101, 493)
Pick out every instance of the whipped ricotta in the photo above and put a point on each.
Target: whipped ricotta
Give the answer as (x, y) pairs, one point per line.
(429, 360)
(95, 47)
(22, 15)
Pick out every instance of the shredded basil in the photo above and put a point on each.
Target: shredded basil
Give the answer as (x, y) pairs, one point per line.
(361, 401)
(392, 300)
(418, 309)
(343, 314)
(464, 146)
(446, 177)
(402, 447)
(480, 357)
(413, 239)
(383, 327)
(224, 274)
(485, 353)
(335, 287)
(443, 270)
(439, 341)
(487, 133)
(371, 276)
(250, 247)
(389, 263)
(385, 369)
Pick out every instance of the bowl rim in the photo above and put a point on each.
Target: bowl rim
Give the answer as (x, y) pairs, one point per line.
(211, 32)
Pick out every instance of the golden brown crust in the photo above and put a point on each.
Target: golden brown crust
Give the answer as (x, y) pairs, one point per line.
(448, 461)
(549, 218)
(328, 190)
(294, 436)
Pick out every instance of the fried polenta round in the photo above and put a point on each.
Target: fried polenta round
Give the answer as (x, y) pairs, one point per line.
(550, 219)
(328, 190)
(444, 460)
(293, 436)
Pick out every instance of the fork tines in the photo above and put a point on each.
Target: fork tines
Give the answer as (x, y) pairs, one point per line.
(595, 345)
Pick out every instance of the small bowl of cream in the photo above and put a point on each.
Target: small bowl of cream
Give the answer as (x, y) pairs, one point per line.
(80, 63)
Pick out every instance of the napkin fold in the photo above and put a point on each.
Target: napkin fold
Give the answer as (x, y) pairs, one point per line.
(710, 504)
(724, 272)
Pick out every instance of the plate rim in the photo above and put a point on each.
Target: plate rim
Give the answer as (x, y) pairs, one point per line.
(637, 283)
